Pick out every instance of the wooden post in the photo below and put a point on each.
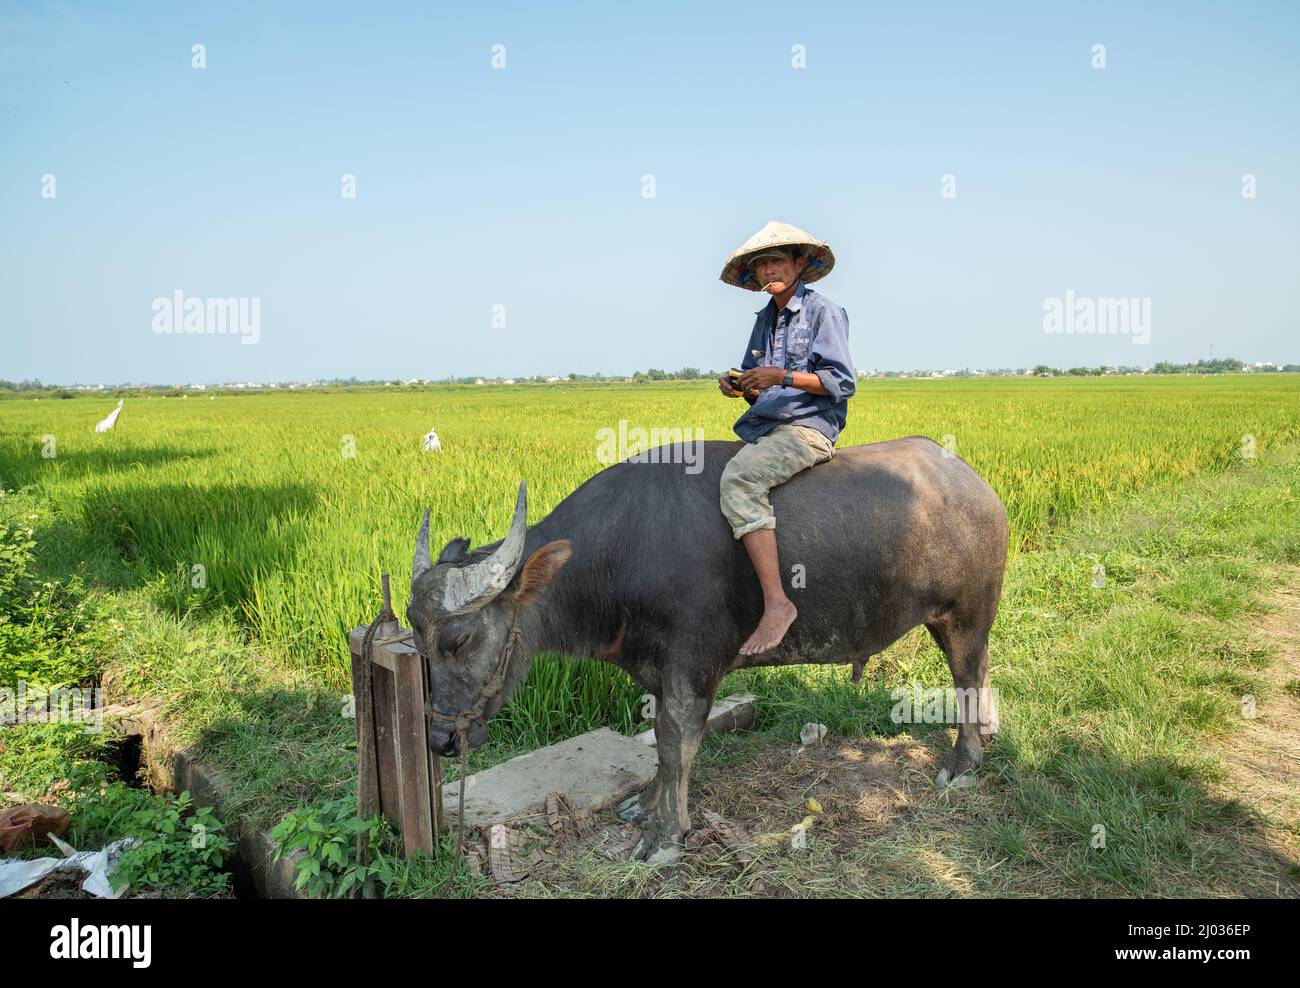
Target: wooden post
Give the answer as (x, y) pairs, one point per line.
(408, 774)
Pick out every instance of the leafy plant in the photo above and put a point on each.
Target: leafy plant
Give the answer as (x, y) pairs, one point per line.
(16, 546)
(328, 835)
(50, 631)
(181, 849)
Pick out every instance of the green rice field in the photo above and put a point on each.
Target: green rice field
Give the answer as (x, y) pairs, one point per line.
(294, 502)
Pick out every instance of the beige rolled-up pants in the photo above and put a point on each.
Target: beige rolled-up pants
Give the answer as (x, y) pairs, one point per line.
(759, 466)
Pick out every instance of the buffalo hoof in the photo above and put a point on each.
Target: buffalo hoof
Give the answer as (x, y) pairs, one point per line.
(961, 781)
(664, 857)
(657, 850)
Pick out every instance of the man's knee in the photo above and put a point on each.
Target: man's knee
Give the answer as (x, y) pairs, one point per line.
(746, 465)
(737, 490)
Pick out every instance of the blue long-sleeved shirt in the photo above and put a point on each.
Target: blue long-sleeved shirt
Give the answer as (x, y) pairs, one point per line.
(810, 334)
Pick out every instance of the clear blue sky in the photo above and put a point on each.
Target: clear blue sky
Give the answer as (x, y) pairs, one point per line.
(522, 186)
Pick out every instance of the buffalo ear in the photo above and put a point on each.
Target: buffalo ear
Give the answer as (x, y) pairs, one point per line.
(453, 550)
(540, 569)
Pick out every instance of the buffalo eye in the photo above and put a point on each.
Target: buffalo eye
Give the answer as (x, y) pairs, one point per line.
(453, 643)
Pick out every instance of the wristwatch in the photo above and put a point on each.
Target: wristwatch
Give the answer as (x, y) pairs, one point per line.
(789, 379)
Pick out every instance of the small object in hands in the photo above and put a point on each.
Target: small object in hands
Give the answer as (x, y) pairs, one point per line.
(774, 287)
(734, 377)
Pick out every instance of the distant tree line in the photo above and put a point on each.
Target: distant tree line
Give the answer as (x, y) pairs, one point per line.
(34, 386)
(1219, 365)
(685, 374)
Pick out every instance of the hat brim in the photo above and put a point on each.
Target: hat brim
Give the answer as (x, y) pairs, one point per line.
(819, 257)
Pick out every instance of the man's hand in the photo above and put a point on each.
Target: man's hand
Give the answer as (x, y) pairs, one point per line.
(757, 379)
(724, 385)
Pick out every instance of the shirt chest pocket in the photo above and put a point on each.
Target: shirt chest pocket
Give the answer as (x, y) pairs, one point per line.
(799, 345)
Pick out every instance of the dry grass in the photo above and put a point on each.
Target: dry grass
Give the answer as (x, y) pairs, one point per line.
(1262, 759)
(883, 830)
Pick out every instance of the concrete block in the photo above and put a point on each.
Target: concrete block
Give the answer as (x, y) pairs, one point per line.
(272, 879)
(733, 713)
(592, 771)
(256, 850)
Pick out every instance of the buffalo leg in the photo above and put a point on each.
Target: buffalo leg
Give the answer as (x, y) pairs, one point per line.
(680, 725)
(966, 646)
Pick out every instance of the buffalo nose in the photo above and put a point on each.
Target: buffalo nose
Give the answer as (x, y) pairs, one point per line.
(443, 744)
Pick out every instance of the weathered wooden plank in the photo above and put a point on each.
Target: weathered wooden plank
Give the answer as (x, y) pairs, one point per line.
(390, 794)
(413, 753)
(363, 708)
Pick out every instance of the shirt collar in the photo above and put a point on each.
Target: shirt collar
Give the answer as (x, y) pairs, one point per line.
(795, 303)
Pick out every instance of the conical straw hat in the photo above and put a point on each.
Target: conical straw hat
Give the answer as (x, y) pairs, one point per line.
(820, 259)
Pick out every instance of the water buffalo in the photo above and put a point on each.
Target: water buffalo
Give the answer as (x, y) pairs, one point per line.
(637, 567)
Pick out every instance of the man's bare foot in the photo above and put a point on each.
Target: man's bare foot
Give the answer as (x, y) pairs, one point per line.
(777, 618)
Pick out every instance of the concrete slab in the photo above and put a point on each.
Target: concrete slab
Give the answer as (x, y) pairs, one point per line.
(732, 713)
(591, 771)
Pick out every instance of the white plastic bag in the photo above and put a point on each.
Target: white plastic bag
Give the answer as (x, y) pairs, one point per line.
(16, 875)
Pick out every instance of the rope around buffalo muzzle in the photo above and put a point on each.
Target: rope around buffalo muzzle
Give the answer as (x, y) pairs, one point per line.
(462, 750)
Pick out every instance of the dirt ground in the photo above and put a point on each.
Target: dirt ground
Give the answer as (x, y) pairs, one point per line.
(747, 817)
(64, 884)
(1263, 756)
